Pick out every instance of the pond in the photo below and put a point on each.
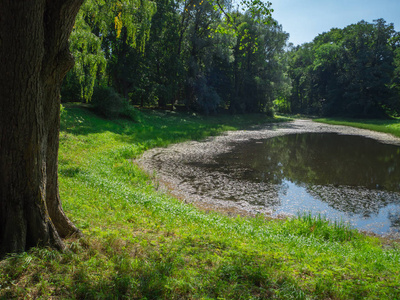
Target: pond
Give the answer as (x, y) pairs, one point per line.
(343, 177)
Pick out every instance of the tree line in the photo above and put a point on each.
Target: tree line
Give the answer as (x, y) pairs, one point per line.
(207, 58)
(202, 55)
(351, 72)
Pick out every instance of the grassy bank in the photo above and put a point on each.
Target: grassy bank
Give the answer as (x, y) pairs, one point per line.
(388, 126)
(141, 243)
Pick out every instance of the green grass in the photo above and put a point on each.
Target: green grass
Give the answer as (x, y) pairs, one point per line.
(391, 126)
(141, 243)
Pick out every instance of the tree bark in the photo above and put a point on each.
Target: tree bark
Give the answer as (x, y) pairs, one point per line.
(34, 58)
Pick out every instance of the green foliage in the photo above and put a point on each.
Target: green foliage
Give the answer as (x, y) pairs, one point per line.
(97, 36)
(110, 104)
(190, 56)
(207, 99)
(347, 72)
(62, 111)
(107, 102)
(71, 89)
(281, 106)
(90, 62)
(260, 11)
(259, 71)
(156, 75)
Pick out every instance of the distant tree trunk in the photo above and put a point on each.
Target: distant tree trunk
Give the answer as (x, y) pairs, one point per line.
(34, 57)
(235, 96)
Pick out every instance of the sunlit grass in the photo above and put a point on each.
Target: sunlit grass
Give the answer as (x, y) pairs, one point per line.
(141, 243)
(391, 126)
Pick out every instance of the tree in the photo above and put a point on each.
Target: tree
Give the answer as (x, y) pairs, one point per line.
(107, 36)
(368, 68)
(34, 55)
(347, 72)
(395, 86)
(165, 68)
(257, 69)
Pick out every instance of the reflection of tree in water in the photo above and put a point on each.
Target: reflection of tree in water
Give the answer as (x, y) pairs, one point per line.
(329, 159)
(206, 180)
(356, 201)
(352, 174)
(394, 218)
(317, 159)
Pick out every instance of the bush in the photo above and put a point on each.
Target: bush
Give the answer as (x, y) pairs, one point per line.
(107, 102)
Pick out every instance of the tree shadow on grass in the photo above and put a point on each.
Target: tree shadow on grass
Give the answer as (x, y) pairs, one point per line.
(157, 128)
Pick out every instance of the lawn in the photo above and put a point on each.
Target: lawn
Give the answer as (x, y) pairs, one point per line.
(391, 126)
(141, 243)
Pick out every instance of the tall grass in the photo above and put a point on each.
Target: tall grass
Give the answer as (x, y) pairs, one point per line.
(141, 243)
(319, 226)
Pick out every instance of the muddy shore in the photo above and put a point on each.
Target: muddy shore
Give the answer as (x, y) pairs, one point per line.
(178, 167)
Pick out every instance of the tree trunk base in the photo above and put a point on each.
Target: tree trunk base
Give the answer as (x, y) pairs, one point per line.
(34, 56)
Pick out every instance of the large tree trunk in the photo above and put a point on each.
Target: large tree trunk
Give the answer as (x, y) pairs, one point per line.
(34, 59)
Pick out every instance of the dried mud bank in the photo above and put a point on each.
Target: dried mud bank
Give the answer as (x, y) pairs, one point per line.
(180, 167)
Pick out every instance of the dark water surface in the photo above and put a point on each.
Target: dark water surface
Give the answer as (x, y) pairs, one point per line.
(346, 177)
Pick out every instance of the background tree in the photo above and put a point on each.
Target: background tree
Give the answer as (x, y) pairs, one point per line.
(395, 83)
(347, 72)
(258, 73)
(188, 59)
(104, 34)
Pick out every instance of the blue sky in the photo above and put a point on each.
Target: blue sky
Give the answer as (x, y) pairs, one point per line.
(305, 19)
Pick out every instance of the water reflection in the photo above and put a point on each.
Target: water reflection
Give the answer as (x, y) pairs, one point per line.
(318, 159)
(347, 177)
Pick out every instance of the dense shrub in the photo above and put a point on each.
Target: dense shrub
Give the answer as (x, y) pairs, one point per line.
(107, 102)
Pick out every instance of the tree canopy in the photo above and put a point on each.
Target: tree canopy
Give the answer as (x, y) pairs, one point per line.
(347, 72)
(199, 54)
(209, 56)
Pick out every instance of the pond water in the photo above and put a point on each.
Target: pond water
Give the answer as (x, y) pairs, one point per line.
(343, 177)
